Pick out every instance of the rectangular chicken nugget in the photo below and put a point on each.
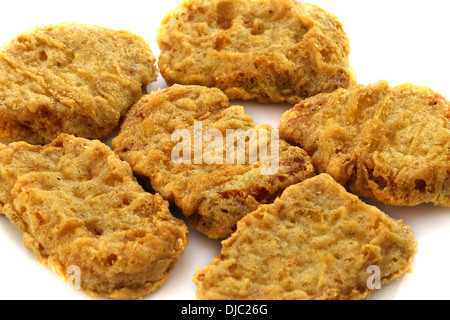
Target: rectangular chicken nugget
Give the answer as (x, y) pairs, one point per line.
(213, 195)
(382, 142)
(269, 50)
(70, 78)
(79, 207)
(315, 242)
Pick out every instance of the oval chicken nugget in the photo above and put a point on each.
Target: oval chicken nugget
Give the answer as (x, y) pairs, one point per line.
(392, 144)
(207, 179)
(315, 242)
(70, 78)
(270, 50)
(79, 207)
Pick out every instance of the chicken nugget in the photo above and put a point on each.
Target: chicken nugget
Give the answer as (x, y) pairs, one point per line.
(315, 242)
(269, 50)
(70, 78)
(83, 214)
(228, 165)
(392, 144)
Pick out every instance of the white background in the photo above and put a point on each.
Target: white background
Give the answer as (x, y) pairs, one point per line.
(395, 40)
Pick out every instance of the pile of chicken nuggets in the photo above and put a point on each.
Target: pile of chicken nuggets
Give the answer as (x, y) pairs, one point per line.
(300, 233)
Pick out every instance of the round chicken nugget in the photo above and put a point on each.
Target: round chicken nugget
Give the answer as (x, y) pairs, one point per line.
(70, 78)
(270, 50)
(315, 242)
(83, 214)
(392, 144)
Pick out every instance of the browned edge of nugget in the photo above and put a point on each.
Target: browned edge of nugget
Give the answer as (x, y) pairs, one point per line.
(79, 207)
(213, 196)
(70, 78)
(392, 144)
(269, 50)
(315, 242)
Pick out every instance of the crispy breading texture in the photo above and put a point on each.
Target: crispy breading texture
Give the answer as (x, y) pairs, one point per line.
(315, 242)
(70, 78)
(392, 144)
(77, 204)
(213, 195)
(270, 50)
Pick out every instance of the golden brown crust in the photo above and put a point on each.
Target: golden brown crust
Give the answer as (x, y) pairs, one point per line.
(213, 196)
(392, 144)
(70, 78)
(270, 50)
(77, 204)
(315, 242)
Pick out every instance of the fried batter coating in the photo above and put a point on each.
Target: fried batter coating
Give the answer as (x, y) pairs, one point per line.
(392, 144)
(315, 242)
(270, 50)
(70, 78)
(214, 196)
(78, 205)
